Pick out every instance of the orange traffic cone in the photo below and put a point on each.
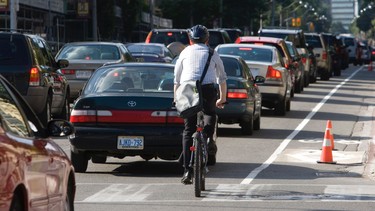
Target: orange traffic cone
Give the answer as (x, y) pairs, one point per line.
(329, 127)
(326, 156)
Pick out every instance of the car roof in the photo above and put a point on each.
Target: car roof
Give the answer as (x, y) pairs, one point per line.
(93, 43)
(168, 30)
(140, 64)
(259, 39)
(247, 45)
(285, 30)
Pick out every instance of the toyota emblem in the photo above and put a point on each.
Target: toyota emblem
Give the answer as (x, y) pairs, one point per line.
(132, 103)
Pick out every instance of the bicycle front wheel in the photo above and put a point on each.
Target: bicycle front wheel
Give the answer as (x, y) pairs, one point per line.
(198, 171)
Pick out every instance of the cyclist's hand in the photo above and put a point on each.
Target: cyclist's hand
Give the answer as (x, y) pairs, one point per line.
(220, 103)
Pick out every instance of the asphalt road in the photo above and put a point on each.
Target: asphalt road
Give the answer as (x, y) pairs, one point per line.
(274, 169)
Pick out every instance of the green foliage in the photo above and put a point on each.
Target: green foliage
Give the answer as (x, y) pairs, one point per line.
(106, 19)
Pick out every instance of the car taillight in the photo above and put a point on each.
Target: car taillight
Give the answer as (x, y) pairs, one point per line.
(272, 73)
(86, 116)
(324, 56)
(304, 60)
(68, 72)
(172, 117)
(34, 77)
(237, 94)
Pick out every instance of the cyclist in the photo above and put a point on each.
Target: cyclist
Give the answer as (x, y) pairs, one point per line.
(189, 67)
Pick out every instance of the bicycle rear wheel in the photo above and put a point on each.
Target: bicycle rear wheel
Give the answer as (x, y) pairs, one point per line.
(198, 170)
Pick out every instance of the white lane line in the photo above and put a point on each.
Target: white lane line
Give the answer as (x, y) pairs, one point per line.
(286, 141)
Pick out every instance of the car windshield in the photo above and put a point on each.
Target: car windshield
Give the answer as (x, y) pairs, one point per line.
(313, 41)
(131, 79)
(169, 37)
(248, 53)
(147, 48)
(90, 52)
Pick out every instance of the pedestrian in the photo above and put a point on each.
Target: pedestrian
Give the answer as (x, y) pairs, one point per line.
(189, 67)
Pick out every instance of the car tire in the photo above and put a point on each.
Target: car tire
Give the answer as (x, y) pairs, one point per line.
(45, 116)
(98, 159)
(79, 161)
(69, 200)
(325, 76)
(280, 108)
(306, 80)
(288, 103)
(247, 127)
(298, 86)
(65, 112)
(17, 203)
(256, 124)
(211, 160)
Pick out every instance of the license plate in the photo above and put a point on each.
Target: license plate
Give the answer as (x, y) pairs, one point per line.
(130, 142)
(83, 73)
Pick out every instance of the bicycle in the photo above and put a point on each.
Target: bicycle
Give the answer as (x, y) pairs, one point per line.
(199, 157)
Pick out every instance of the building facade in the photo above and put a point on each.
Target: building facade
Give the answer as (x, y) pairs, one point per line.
(344, 12)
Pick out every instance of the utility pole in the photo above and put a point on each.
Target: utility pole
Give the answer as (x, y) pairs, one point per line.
(273, 13)
(94, 21)
(151, 14)
(13, 15)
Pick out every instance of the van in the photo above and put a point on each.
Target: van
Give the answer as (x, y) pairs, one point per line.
(351, 46)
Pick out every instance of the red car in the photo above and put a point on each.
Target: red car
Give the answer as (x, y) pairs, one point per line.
(35, 173)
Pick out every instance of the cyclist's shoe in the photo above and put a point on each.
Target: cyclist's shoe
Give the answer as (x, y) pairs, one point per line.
(187, 177)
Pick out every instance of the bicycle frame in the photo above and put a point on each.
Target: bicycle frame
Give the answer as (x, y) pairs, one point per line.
(199, 156)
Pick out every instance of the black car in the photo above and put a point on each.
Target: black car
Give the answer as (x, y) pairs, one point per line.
(26, 62)
(217, 37)
(243, 96)
(127, 110)
(150, 52)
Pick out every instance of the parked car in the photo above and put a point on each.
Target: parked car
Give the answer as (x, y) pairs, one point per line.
(35, 173)
(150, 52)
(85, 57)
(351, 45)
(265, 61)
(27, 63)
(297, 36)
(218, 36)
(322, 54)
(366, 52)
(126, 110)
(297, 66)
(283, 49)
(243, 96)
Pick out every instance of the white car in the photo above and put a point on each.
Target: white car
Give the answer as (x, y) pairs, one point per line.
(265, 61)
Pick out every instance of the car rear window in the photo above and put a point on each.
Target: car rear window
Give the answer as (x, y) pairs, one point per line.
(13, 51)
(248, 53)
(313, 41)
(89, 52)
(131, 79)
(169, 37)
(297, 40)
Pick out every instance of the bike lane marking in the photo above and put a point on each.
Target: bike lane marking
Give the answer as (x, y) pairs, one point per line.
(288, 139)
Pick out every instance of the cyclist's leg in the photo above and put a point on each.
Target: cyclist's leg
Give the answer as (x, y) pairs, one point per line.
(187, 141)
(209, 109)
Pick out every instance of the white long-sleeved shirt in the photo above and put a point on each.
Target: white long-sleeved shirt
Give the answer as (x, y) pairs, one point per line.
(191, 63)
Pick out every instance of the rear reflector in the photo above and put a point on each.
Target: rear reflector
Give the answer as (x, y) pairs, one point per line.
(324, 56)
(116, 116)
(68, 72)
(273, 73)
(237, 94)
(34, 77)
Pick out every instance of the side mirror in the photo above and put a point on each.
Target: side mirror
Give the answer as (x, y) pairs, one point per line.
(59, 128)
(62, 63)
(259, 79)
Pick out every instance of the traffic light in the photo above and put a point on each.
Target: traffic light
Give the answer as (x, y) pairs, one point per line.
(298, 21)
(293, 21)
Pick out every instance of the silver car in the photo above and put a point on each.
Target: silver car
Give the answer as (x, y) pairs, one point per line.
(265, 61)
(85, 57)
(322, 54)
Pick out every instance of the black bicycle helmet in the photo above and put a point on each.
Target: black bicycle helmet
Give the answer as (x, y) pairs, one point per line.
(198, 33)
